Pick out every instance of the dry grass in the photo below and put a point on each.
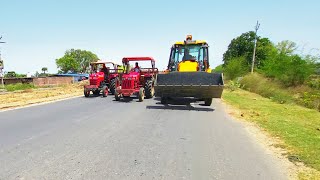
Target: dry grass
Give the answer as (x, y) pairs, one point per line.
(32, 96)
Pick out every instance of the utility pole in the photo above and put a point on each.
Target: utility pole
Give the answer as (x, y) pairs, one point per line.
(255, 46)
(1, 66)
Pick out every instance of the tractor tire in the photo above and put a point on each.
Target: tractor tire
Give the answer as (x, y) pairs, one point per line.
(113, 85)
(164, 100)
(116, 96)
(86, 93)
(105, 91)
(141, 94)
(96, 92)
(149, 89)
(208, 101)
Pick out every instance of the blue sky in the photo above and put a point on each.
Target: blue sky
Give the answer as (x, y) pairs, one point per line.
(38, 32)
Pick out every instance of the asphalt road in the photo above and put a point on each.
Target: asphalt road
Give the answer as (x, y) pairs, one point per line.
(98, 138)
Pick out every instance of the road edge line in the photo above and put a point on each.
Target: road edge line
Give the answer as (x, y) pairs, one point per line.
(40, 103)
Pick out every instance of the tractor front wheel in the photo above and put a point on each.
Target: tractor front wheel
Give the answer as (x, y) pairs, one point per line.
(141, 94)
(86, 93)
(208, 101)
(116, 96)
(149, 89)
(114, 83)
(105, 91)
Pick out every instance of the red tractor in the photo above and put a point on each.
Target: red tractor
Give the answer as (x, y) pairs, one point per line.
(104, 76)
(138, 81)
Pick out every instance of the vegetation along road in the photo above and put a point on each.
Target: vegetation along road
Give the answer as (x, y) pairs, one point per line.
(86, 138)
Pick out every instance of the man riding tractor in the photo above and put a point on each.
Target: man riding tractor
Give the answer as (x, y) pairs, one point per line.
(139, 81)
(136, 68)
(105, 70)
(102, 79)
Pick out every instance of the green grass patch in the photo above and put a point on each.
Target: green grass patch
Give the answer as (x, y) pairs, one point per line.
(19, 86)
(296, 126)
(302, 95)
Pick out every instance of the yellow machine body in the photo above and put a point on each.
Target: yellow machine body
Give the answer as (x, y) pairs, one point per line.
(189, 73)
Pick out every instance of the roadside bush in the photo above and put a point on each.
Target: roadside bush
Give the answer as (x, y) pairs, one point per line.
(259, 84)
(237, 67)
(19, 86)
(310, 100)
(232, 85)
(301, 95)
(291, 70)
(314, 82)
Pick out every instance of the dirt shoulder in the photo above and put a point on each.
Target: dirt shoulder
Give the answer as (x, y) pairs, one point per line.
(9, 100)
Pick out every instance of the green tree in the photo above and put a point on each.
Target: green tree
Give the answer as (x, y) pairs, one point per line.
(236, 67)
(67, 63)
(317, 70)
(286, 47)
(10, 74)
(36, 74)
(44, 69)
(218, 69)
(292, 70)
(243, 45)
(76, 61)
(13, 74)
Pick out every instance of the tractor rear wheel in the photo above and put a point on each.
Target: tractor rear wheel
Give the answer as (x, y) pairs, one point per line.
(86, 93)
(208, 101)
(114, 83)
(149, 89)
(105, 91)
(96, 92)
(116, 96)
(141, 94)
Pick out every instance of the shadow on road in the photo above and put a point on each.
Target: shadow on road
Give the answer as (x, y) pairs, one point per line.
(92, 96)
(183, 104)
(181, 108)
(128, 99)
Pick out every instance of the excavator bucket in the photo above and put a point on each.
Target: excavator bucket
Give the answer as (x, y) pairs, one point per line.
(189, 84)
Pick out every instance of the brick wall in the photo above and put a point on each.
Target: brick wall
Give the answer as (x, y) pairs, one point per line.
(7, 81)
(41, 81)
(45, 81)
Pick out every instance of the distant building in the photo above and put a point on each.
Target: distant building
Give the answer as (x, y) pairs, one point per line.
(76, 77)
(29, 75)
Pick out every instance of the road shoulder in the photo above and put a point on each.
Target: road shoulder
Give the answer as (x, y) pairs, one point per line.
(31, 97)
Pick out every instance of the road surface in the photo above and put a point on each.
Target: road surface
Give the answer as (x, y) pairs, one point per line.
(99, 138)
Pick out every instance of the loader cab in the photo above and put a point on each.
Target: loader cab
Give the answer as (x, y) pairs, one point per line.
(189, 56)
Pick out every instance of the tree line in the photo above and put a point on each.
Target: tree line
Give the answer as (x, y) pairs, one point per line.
(278, 61)
(73, 61)
(13, 74)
